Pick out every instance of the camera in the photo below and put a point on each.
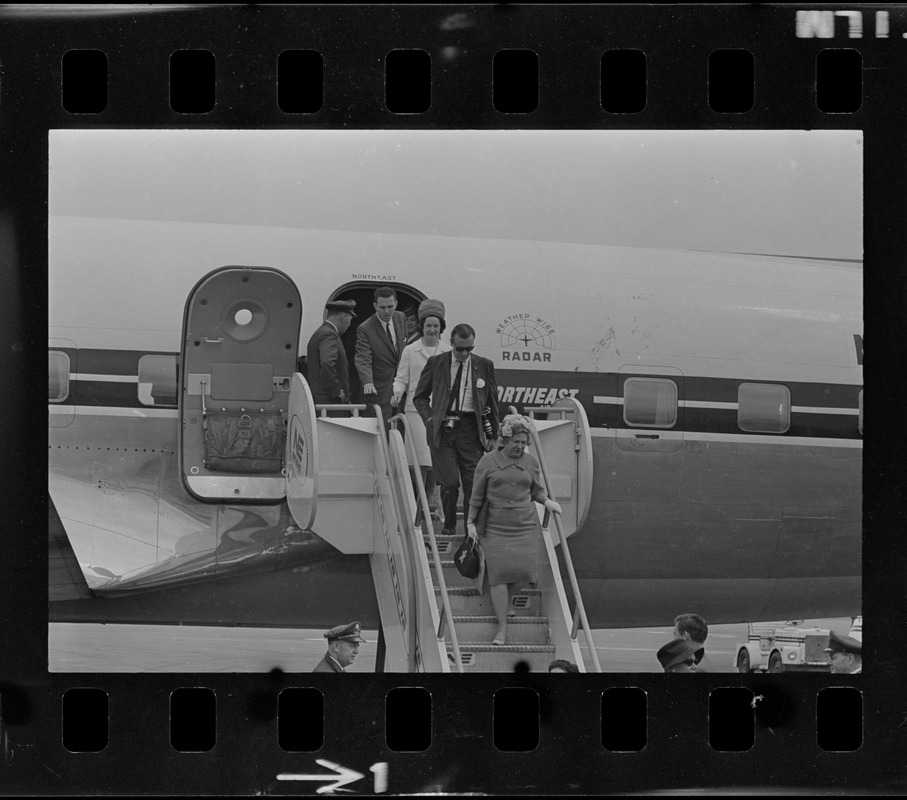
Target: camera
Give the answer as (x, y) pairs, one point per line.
(450, 422)
(486, 424)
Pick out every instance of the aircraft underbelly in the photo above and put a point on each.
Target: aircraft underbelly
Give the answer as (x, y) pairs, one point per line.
(714, 510)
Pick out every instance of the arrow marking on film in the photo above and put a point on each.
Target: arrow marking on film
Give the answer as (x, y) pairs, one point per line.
(343, 776)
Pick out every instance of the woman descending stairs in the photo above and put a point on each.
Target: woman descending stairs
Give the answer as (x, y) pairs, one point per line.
(528, 635)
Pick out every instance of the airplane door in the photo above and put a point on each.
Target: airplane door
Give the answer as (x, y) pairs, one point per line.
(302, 454)
(238, 354)
(652, 409)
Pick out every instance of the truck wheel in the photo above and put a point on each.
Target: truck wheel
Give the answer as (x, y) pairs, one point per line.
(774, 662)
(743, 661)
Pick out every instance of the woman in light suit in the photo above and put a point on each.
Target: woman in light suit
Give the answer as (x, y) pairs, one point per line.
(412, 362)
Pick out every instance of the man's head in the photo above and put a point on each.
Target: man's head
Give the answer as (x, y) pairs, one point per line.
(340, 313)
(344, 651)
(691, 628)
(845, 654)
(385, 303)
(343, 643)
(463, 340)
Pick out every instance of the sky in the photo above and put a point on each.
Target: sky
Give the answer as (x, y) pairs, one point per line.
(779, 192)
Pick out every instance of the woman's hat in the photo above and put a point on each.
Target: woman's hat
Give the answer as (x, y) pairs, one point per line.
(676, 652)
(431, 308)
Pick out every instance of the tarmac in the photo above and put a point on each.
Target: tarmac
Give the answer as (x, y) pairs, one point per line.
(84, 647)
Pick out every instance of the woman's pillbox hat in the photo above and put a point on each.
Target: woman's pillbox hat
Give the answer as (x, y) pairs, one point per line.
(431, 308)
(676, 652)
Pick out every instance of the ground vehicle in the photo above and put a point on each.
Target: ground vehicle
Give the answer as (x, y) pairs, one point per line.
(778, 649)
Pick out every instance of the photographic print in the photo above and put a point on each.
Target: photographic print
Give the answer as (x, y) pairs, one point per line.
(671, 319)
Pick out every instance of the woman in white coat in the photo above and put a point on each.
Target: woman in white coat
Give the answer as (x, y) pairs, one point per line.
(412, 362)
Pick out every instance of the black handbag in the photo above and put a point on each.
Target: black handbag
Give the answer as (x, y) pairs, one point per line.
(467, 558)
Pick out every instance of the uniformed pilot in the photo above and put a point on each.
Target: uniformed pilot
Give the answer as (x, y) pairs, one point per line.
(343, 647)
(328, 371)
(845, 654)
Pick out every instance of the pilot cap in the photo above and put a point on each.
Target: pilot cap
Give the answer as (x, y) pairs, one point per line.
(341, 305)
(844, 644)
(676, 651)
(431, 308)
(346, 633)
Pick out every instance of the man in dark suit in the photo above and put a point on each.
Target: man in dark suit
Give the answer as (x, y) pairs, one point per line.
(457, 398)
(343, 647)
(693, 628)
(328, 371)
(379, 344)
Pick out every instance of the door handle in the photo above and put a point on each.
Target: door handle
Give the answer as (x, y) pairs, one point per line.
(212, 341)
(647, 436)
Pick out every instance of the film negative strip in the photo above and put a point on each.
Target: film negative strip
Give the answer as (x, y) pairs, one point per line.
(653, 221)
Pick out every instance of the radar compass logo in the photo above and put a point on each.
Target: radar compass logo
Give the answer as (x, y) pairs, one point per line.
(525, 337)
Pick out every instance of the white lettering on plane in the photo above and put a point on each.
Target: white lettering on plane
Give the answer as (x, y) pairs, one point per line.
(541, 395)
(510, 355)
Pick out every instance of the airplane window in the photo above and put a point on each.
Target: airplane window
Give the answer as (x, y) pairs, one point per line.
(158, 380)
(58, 376)
(763, 408)
(650, 402)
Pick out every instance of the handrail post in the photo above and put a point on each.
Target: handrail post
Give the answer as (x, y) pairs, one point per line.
(446, 613)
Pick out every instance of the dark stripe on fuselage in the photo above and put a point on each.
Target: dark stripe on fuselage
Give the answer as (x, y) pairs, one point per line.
(724, 420)
(102, 393)
(114, 362)
(542, 387)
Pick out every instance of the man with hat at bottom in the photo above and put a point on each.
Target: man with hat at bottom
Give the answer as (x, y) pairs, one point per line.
(329, 376)
(845, 654)
(343, 647)
(678, 655)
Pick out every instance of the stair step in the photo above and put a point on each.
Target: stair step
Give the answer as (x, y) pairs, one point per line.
(494, 658)
(465, 600)
(451, 577)
(520, 630)
(447, 545)
(484, 647)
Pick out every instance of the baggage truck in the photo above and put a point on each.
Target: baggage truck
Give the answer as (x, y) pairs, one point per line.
(782, 649)
(788, 647)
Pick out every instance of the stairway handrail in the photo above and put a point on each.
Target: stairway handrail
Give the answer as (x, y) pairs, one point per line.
(436, 557)
(574, 583)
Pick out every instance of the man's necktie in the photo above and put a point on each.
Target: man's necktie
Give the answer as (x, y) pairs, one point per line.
(455, 389)
(387, 327)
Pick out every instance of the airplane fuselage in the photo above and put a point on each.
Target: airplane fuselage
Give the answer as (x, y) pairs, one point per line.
(723, 395)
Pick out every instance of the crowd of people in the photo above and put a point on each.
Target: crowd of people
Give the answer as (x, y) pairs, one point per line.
(461, 442)
(451, 409)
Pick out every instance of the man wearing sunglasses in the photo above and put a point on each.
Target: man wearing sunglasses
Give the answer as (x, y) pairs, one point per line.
(457, 400)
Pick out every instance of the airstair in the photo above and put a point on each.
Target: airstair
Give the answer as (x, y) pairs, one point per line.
(348, 481)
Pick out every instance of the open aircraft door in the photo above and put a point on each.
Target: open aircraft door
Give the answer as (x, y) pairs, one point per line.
(302, 454)
(238, 355)
(564, 435)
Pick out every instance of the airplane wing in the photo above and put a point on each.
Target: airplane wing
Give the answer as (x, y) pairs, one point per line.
(66, 581)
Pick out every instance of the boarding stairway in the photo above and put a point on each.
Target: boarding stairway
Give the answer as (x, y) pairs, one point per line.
(349, 482)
